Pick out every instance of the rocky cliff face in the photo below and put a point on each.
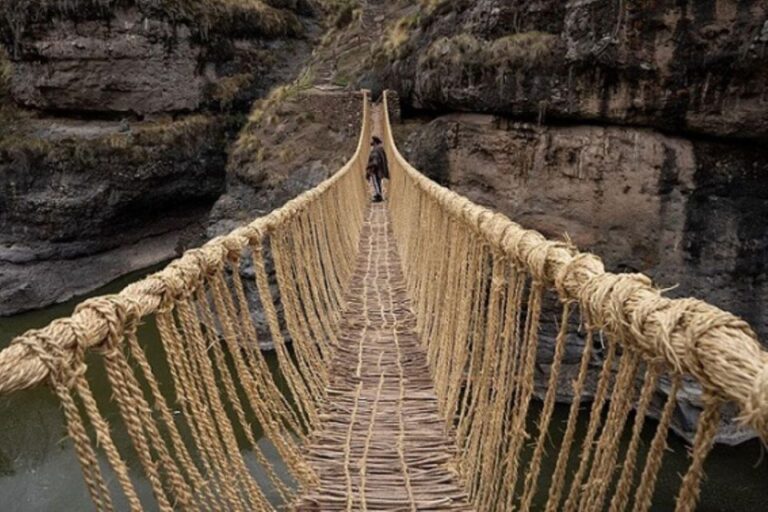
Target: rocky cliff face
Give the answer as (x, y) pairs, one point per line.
(78, 201)
(683, 211)
(696, 66)
(124, 66)
(130, 61)
(295, 140)
(117, 119)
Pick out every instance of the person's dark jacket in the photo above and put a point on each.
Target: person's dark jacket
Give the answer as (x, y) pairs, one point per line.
(377, 163)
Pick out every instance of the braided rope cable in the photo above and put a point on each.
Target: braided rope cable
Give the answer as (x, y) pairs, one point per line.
(719, 349)
(647, 333)
(219, 378)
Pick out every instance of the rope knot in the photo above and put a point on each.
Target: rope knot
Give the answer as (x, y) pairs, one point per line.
(536, 253)
(711, 331)
(479, 218)
(174, 285)
(63, 368)
(496, 226)
(234, 244)
(121, 315)
(579, 269)
(622, 294)
(212, 257)
(254, 232)
(599, 304)
(653, 320)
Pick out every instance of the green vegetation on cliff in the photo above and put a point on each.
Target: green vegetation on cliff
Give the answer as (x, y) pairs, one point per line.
(524, 50)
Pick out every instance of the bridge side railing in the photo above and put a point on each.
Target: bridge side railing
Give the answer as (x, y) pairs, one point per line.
(188, 436)
(485, 289)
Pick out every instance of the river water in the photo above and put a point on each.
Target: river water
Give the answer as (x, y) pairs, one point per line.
(39, 470)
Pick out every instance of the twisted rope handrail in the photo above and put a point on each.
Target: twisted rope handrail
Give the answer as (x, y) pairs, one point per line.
(21, 368)
(719, 349)
(481, 283)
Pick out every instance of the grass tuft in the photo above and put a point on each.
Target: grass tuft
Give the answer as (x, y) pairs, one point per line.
(401, 33)
(226, 89)
(524, 50)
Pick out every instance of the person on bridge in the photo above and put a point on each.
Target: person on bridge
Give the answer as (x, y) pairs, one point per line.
(377, 169)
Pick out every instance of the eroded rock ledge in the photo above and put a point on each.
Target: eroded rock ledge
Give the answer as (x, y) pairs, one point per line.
(676, 65)
(116, 119)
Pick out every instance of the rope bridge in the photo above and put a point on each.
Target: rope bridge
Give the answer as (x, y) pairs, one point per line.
(407, 338)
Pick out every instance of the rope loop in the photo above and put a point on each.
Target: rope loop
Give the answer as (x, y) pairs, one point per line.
(617, 302)
(61, 370)
(497, 228)
(702, 322)
(653, 320)
(478, 219)
(574, 271)
(253, 233)
(234, 246)
(121, 316)
(595, 296)
(174, 285)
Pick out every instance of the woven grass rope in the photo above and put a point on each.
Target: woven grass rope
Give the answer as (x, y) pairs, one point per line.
(409, 338)
(481, 284)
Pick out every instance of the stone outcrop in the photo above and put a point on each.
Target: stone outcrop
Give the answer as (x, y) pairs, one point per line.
(295, 140)
(78, 200)
(117, 117)
(129, 63)
(125, 66)
(684, 66)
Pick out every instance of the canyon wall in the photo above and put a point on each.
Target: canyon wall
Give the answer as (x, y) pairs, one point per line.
(116, 121)
(686, 212)
(693, 66)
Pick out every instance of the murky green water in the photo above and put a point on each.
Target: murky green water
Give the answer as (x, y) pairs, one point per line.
(736, 481)
(39, 471)
(38, 467)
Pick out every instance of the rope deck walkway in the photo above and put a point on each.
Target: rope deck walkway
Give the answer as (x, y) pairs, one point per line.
(382, 445)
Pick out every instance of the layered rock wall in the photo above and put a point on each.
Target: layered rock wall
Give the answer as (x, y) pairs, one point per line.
(117, 120)
(687, 212)
(698, 66)
(131, 64)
